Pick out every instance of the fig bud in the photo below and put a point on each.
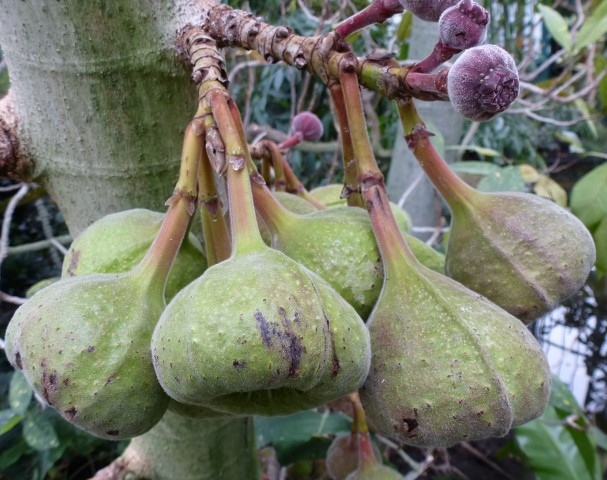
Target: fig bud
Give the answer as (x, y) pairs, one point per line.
(483, 82)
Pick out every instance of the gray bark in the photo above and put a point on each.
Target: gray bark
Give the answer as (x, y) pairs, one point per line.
(424, 204)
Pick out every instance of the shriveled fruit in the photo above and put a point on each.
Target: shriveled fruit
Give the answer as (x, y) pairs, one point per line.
(117, 242)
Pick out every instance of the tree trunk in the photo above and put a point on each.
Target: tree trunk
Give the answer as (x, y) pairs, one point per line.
(424, 205)
(103, 102)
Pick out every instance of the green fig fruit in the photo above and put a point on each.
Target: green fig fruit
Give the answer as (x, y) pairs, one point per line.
(83, 344)
(330, 196)
(259, 334)
(195, 411)
(117, 242)
(521, 251)
(294, 203)
(447, 365)
(337, 244)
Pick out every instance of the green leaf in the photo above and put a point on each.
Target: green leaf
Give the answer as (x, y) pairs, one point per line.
(582, 106)
(8, 419)
(556, 450)
(556, 25)
(599, 235)
(475, 168)
(302, 436)
(19, 393)
(589, 197)
(39, 433)
(599, 437)
(600, 64)
(405, 27)
(9, 456)
(487, 152)
(593, 28)
(507, 179)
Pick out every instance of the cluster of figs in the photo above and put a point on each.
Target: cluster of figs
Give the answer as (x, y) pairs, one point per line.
(315, 300)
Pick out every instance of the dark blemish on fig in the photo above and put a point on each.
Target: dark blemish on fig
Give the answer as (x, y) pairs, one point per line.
(479, 413)
(73, 263)
(19, 363)
(297, 318)
(263, 328)
(410, 424)
(71, 413)
(91, 349)
(113, 433)
(66, 382)
(239, 364)
(290, 343)
(110, 380)
(49, 384)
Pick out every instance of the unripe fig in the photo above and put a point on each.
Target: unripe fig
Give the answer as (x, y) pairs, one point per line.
(117, 242)
(429, 10)
(294, 203)
(305, 127)
(330, 196)
(337, 244)
(447, 364)
(523, 252)
(483, 82)
(463, 25)
(83, 344)
(258, 334)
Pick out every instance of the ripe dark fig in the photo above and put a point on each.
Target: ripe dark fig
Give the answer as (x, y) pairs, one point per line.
(479, 371)
(257, 333)
(463, 25)
(118, 242)
(83, 342)
(429, 10)
(337, 244)
(523, 252)
(483, 82)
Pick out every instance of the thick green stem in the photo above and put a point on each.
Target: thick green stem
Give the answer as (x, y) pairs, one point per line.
(351, 186)
(452, 188)
(245, 231)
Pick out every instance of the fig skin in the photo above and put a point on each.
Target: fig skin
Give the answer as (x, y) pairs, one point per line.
(83, 344)
(448, 365)
(259, 334)
(117, 242)
(523, 252)
(338, 245)
(294, 203)
(330, 194)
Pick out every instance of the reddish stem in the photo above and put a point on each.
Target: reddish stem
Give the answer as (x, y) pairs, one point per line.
(440, 54)
(294, 185)
(377, 12)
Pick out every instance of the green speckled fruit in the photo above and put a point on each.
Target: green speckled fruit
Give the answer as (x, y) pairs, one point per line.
(294, 203)
(338, 244)
(117, 242)
(375, 471)
(83, 344)
(259, 334)
(447, 364)
(195, 411)
(329, 195)
(523, 252)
